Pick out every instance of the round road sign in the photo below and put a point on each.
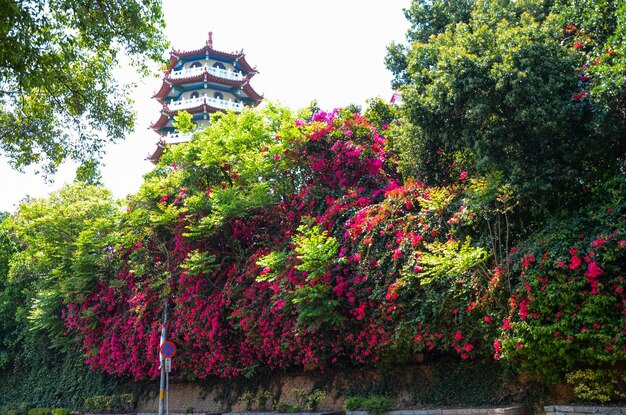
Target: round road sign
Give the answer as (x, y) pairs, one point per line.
(168, 349)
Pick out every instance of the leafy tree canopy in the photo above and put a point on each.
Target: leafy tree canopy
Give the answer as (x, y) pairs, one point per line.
(529, 91)
(58, 96)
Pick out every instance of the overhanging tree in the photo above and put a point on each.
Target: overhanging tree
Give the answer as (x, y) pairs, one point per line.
(58, 97)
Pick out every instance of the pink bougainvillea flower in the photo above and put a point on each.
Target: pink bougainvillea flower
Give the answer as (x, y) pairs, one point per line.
(528, 259)
(593, 270)
(597, 243)
(523, 308)
(458, 336)
(463, 175)
(506, 324)
(397, 253)
(578, 45)
(575, 262)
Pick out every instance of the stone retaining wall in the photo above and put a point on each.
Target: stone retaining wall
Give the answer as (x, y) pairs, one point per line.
(512, 410)
(584, 410)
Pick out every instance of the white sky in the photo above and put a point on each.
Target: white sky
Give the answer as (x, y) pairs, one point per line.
(329, 50)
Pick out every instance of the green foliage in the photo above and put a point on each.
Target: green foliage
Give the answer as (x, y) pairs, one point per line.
(450, 258)
(264, 400)
(50, 253)
(353, 403)
(597, 385)
(492, 88)
(316, 250)
(58, 76)
(462, 383)
(567, 305)
(230, 169)
(374, 405)
(51, 232)
(309, 401)
(110, 403)
(183, 122)
(40, 411)
(287, 408)
(377, 405)
(60, 411)
(248, 399)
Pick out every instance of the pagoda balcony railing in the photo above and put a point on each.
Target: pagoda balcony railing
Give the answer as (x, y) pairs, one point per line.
(205, 99)
(174, 138)
(190, 72)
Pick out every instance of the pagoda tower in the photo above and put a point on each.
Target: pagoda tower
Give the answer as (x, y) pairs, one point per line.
(202, 82)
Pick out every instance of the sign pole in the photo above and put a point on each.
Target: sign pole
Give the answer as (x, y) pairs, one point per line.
(162, 360)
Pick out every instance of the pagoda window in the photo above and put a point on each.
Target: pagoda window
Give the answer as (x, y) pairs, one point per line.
(194, 94)
(219, 65)
(195, 65)
(218, 95)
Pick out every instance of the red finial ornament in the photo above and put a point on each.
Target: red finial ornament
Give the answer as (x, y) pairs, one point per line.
(209, 42)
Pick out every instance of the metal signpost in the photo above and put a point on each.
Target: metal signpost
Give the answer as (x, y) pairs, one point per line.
(168, 350)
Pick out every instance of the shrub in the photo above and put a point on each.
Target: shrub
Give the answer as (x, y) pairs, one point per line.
(309, 401)
(247, 398)
(112, 403)
(597, 385)
(264, 400)
(353, 403)
(376, 405)
(288, 408)
(40, 411)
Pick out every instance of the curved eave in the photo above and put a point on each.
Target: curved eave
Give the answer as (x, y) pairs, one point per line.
(245, 66)
(158, 152)
(192, 110)
(161, 122)
(176, 56)
(167, 114)
(250, 92)
(166, 87)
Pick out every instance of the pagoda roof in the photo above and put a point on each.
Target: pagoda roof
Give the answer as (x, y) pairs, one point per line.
(237, 57)
(168, 82)
(166, 113)
(247, 88)
(158, 152)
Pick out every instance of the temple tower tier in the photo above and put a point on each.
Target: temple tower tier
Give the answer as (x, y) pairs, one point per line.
(202, 82)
